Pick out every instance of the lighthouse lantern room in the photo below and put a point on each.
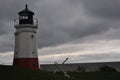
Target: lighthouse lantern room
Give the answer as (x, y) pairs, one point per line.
(25, 52)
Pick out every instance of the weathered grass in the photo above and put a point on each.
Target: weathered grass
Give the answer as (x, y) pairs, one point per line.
(13, 73)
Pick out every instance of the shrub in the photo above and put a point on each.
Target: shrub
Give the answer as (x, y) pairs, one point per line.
(81, 69)
(107, 69)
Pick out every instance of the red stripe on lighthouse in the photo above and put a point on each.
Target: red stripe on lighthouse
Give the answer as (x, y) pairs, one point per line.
(31, 63)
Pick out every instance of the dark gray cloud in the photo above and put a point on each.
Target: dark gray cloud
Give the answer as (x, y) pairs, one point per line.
(60, 21)
(7, 43)
(109, 9)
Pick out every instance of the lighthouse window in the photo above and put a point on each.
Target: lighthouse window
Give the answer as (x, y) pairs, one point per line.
(32, 36)
(33, 52)
(23, 17)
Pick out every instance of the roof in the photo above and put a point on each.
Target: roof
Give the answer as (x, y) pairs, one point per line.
(26, 10)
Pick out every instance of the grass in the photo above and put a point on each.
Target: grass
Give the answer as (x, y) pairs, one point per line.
(13, 73)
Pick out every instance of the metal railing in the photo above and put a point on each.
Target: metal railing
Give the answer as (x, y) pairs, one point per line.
(35, 22)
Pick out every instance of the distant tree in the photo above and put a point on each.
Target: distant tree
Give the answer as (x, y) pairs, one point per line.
(107, 69)
(81, 69)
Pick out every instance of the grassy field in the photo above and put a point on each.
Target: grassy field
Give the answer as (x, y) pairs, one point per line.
(13, 73)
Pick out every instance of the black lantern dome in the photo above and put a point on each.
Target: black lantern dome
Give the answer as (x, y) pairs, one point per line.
(26, 16)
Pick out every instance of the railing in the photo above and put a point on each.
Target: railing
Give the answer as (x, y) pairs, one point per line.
(35, 22)
(16, 21)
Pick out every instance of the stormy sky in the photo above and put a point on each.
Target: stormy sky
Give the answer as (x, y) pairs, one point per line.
(81, 30)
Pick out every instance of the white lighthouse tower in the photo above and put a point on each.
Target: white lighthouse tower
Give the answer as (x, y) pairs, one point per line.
(25, 53)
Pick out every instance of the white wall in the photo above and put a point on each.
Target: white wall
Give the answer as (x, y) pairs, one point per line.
(25, 45)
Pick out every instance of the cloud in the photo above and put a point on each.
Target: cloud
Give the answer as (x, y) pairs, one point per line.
(6, 58)
(107, 9)
(7, 43)
(63, 22)
(86, 51)
(60, 21)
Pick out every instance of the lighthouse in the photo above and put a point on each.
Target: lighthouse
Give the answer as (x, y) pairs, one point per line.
(25, 52)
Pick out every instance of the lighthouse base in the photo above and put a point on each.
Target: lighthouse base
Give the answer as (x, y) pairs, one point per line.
(29, 63)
